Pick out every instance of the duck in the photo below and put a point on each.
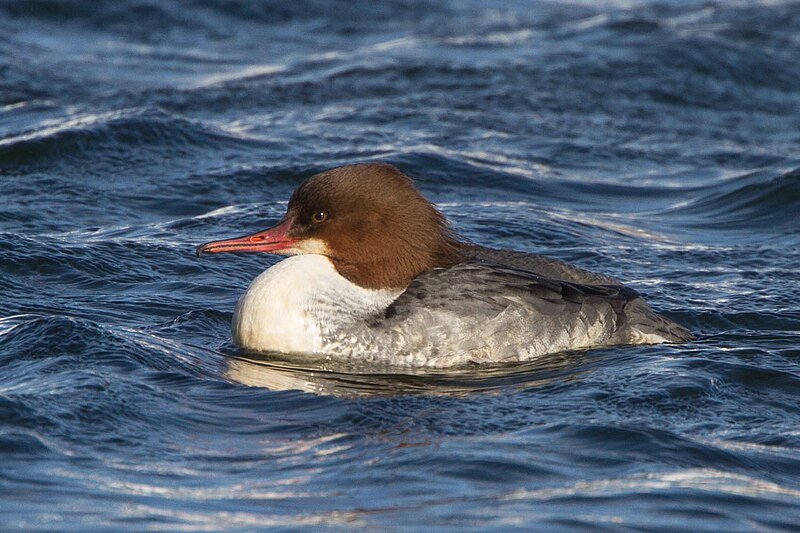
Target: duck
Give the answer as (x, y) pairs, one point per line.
(374, 274)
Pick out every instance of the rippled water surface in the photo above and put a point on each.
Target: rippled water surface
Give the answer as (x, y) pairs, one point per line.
(658, 142)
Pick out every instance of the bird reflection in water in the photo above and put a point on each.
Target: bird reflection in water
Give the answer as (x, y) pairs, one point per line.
(325, 377)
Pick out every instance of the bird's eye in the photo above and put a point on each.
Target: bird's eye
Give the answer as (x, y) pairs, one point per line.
(319, 216)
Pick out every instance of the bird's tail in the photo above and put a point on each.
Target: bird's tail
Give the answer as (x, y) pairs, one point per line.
(646, 327)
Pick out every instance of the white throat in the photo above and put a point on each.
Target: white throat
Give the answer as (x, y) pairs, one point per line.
(299, 304)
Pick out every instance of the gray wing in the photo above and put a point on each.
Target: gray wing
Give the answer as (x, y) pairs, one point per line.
(539, 264)
(474, 312)
(484, 288)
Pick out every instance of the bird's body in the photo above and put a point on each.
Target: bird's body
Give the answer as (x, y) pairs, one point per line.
(368, 284)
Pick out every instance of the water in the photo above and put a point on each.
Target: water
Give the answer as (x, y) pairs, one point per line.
(658, 142)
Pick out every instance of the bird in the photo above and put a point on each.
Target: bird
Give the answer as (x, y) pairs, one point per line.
(376, 275)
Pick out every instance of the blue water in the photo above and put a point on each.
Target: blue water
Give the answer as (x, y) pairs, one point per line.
(655, 141)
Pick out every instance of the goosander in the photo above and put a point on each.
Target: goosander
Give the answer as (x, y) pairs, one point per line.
(376, 275)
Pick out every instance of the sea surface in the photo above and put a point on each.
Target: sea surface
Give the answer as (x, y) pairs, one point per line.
(656, 141)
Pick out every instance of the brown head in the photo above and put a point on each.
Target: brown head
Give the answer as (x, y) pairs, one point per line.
(367, 218)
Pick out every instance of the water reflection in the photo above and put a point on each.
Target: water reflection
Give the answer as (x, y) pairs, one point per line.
(347, 379)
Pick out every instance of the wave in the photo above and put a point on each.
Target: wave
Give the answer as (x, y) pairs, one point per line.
(113, 135)
(759, 201)
(149, 18)
(65, 342)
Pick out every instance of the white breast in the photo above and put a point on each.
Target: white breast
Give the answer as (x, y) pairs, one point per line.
(296, 305)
